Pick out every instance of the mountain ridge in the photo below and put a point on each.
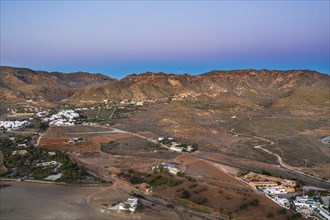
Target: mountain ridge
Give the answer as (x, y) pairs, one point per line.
(257, 87)
(19, 84)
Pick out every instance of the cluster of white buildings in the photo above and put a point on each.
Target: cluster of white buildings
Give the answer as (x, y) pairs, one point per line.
(167, 166)
(62, 118)
(308, 207)
(13, 125)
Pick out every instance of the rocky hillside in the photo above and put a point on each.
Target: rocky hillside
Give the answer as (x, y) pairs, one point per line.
(254, 88)
(262, 88)
(20, 84)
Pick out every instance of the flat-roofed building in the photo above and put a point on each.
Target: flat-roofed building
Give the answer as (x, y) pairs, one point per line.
(262, 184)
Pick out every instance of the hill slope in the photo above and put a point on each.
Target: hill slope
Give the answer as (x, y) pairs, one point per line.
(254, 87)
(19, 84)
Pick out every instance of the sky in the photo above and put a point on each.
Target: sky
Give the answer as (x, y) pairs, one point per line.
(118, 38)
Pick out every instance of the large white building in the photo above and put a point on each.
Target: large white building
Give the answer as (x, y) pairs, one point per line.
(130, 204)
(274, 190)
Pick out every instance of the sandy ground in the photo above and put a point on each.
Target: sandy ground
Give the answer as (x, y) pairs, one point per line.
(225, 193)
(41, 201)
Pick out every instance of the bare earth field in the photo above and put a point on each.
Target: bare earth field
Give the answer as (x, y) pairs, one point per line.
(224, 193)
(21, 200)
(41, 201)
(219, 129)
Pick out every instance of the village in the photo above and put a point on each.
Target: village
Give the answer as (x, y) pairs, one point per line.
(50, 167)
(13, 125)
(276, 188)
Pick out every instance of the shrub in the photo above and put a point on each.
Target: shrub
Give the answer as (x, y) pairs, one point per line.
(282, 211)
(270, 215)
(190, 179)
(201, 201)
(193, 185)
(200, 190)
(254, 202)
(185, 194)
(171, 206)
(264, 172)
(135, 179)
(244, 206)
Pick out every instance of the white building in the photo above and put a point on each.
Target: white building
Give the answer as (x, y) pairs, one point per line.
(22, 145)
(130, 204)
(54, 177)
(321, 212)
(170, 167)
(177, 149)
(50, 163)
(284, 202)
(304, 201)
(274, 190)
(19, 152)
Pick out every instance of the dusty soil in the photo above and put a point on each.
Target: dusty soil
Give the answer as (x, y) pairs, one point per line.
(224, 193)
(41, 201)
(214, 128)
(44, 201)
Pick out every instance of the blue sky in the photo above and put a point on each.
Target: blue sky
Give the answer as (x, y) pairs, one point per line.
(122, 37)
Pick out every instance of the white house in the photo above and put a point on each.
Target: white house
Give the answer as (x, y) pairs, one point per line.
(174, 148)
(50, 163)
(274, 190)
(51, 153)
(19, 152)
(21, 145)
(131, 204)
(170, 167)
(284, 202)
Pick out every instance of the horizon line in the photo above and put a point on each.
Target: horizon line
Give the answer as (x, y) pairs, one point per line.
(157, 72)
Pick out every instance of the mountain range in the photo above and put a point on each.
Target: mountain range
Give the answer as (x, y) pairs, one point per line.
(254, 88)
